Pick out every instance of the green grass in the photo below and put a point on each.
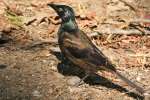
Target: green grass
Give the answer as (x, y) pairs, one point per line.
(13, 18)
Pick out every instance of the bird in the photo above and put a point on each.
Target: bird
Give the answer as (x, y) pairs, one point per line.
(76, 46)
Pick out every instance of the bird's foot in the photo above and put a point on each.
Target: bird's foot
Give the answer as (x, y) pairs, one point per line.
(76, 81)
(81, 80)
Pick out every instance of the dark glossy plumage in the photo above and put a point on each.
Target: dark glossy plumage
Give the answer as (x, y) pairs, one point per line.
(78, 48)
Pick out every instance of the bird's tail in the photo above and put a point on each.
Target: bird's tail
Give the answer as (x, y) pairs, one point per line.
(133, 85)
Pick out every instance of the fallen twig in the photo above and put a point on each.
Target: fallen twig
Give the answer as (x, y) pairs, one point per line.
(118, 31)
(131, 6)
(30, 22)
(140, 55)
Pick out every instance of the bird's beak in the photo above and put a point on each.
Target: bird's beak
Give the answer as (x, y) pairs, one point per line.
(54, 6)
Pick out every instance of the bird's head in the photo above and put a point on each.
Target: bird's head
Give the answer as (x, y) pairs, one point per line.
(67, 15)
(65, 12)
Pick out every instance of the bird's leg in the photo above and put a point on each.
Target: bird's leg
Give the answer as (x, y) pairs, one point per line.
(63, 58)
(82, 80)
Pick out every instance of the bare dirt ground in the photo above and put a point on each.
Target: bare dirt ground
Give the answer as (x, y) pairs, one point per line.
(30, 60)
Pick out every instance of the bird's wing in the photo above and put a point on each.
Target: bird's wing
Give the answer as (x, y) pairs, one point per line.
(83, 48)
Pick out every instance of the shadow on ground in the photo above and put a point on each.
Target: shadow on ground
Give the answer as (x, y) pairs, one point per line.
(68, 68)
(3, 66)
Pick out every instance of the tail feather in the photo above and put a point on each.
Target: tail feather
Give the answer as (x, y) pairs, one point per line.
(133, 85)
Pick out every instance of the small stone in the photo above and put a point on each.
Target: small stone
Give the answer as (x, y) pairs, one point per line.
(74, 80)
(138, 78)
(82, 16)
(36, 93)
(54, 68)
(44, 61)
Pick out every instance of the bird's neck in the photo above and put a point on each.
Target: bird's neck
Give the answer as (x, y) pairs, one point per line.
(69, 26)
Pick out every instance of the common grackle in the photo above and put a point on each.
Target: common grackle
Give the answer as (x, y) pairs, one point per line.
(76, 46)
